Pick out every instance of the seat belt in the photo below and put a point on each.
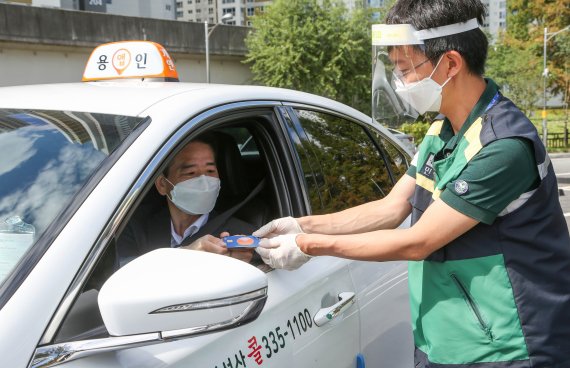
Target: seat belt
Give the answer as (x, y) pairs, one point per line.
(224, 216)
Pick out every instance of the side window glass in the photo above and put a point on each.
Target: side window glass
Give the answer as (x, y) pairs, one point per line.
(302, 145)
(397, 160)
(348, 167)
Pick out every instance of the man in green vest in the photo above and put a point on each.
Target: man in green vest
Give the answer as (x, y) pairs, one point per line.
(489, 249)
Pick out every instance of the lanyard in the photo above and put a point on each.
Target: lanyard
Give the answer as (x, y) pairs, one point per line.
(493, 101)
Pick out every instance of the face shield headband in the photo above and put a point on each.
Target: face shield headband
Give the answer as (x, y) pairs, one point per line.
(387, 105)
(406, 34)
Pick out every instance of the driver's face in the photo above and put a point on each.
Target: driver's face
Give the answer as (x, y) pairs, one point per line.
(195, 159)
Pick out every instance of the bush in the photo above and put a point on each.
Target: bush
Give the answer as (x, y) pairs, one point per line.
(417, 130)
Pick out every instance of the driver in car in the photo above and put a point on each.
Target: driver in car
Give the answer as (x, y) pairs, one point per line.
(189, 187)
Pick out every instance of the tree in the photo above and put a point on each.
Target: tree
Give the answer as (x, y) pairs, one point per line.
(517, 70)
(526, 21)
(315, 46)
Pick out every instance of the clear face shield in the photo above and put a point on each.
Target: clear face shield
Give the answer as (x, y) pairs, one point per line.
(402, 88)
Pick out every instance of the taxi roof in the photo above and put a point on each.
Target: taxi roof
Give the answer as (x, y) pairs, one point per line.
(138, 98)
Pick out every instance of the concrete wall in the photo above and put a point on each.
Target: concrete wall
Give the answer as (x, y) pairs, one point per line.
(41, 45)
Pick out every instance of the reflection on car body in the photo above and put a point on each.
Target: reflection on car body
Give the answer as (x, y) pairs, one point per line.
(81, 159)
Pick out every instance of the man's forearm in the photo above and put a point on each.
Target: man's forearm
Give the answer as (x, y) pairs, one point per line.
(439, 225)
(387, 213)
(377, 215)
(383, 245)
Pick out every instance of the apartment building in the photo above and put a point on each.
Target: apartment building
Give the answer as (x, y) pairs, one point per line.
(213, 10)
(496, 17)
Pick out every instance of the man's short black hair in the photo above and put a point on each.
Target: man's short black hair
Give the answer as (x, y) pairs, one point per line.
(206, 138)
(424, 14)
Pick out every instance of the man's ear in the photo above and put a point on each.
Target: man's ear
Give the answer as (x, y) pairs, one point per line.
(455, 63)
(162, 185)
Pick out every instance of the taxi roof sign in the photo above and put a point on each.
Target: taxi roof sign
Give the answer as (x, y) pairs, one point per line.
(130, 60)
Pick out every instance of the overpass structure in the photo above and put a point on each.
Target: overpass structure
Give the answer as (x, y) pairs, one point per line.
(45, 45)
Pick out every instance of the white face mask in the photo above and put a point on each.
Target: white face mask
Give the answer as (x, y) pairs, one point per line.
(196, 196)
(424, 95)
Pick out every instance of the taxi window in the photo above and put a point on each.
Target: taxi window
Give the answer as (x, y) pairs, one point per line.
(45, 158)
(347, 167)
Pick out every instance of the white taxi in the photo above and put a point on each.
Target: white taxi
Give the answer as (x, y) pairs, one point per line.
(78, 160)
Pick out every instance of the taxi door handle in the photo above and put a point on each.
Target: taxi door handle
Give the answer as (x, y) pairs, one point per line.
(325, 315)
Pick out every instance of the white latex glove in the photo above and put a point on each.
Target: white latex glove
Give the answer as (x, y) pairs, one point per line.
(282, 252)
(280, 226)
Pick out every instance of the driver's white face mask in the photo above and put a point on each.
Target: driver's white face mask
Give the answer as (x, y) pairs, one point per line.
(195, 196)
(423, 95)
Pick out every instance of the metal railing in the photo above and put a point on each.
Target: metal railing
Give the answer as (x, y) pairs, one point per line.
(557, 140)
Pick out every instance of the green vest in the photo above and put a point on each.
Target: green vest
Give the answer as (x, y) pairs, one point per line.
(499, 295)
(450, 326)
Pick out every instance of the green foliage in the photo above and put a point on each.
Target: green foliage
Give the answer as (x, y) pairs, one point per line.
(417, 130)
(526, 21)
(518, 71)
(315, 46)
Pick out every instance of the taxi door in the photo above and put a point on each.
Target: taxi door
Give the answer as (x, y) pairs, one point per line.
(285, 335)
(310, 319)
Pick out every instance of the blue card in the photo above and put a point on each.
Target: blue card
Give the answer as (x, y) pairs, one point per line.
(241, 241)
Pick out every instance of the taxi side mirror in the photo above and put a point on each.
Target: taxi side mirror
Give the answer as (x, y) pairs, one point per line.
(165, 295)
(180, 293)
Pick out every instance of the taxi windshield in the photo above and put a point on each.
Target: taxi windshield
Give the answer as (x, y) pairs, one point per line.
(45, 159)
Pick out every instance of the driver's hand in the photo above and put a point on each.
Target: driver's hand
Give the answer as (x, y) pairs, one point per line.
(208, 243)
(243, 254)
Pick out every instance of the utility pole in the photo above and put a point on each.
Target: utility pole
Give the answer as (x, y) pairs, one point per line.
(207, 32)
(547, 36)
